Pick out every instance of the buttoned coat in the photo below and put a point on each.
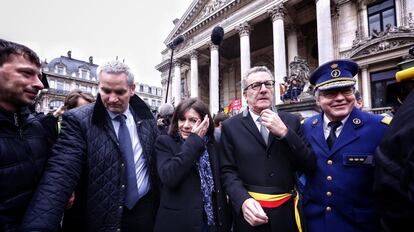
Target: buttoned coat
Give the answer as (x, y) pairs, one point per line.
(338, 196)
(247, 162)
(181, 203)
(88, 143)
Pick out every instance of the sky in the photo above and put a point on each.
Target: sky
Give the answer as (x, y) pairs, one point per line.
(133, 30)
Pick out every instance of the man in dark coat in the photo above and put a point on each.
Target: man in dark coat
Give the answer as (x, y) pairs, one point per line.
(262, 150)
(25, 138)
(394, 173)
(111, 142)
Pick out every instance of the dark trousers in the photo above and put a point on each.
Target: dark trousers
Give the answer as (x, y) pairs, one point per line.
(141, 217)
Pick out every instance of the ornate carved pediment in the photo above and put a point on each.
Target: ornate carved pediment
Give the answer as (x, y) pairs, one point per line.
(200, 14)
(383, 43)
(209, 9)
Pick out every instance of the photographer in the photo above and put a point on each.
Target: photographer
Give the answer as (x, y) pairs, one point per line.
(164, 117)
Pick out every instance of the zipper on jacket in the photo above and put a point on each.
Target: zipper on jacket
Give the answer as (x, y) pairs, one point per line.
(17, 124)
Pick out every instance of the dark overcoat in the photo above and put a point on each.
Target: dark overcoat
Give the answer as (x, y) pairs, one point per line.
(394, 175)
(181, 203)
(247, 163)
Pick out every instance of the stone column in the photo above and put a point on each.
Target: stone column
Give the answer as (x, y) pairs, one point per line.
(277, 13)
(362, 20)
(244, 32)
(194, 73)
(176, 87)
(366, 86)
(335, 30)
(292, 42)
(365, 22)
(214, 79)
(324, 29)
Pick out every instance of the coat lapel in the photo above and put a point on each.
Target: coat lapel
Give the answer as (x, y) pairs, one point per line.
(109, 128)
(247, 122)
(349, 132)
(318, 136)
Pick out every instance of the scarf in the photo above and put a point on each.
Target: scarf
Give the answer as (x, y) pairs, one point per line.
(207, 184)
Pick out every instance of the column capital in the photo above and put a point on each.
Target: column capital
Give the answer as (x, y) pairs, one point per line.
(362, 5)
(213, 46)
(177, 62)
(193, 54)
(291, 28)
(364, 67)
(277, 12)
(335, 11)
(244, 29)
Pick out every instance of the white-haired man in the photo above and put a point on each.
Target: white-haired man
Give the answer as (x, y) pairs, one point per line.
(262, 151)
(111, 143)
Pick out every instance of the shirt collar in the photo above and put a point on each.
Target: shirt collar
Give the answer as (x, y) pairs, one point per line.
(127, 113)
(326, 120)
(254, 115)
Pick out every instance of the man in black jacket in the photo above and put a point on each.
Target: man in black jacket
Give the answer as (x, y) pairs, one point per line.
(25, 138)
(394, 170)
(111, 142)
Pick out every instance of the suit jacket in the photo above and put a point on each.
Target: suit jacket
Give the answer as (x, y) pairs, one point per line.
(247, 161)
(181, 203)
(343, 179)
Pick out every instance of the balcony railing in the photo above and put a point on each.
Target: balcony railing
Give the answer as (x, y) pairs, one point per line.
(380, 110)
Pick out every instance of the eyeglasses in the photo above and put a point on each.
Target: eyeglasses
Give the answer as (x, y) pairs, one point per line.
(258, 85)
(332, 93)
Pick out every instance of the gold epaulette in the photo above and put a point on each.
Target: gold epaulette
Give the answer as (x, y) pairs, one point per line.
(386, 120)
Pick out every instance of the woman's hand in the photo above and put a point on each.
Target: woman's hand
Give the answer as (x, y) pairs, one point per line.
(200, 127)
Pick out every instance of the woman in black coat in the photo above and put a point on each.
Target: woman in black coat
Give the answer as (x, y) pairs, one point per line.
(191, 195)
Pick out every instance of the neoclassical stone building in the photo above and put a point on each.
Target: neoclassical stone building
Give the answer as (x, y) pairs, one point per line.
(375, 33)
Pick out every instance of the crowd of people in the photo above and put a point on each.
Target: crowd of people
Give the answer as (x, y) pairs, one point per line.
(107, 164)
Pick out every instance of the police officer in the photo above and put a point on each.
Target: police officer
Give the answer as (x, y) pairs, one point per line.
(338, 195)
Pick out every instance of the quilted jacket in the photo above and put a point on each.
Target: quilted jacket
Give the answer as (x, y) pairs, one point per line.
(25, 143)
(88, 143)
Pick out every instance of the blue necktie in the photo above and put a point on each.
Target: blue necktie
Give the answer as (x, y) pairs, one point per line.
(125, 144)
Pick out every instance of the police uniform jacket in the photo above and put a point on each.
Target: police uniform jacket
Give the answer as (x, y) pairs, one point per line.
(248, 162)
(338, 196)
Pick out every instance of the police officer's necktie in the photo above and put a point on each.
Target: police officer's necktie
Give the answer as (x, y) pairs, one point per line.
(263, 131)
(125, 144)
(332, 134)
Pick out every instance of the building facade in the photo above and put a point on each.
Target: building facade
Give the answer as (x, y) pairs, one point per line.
(152, 95)
(374, 33)
(65, 74)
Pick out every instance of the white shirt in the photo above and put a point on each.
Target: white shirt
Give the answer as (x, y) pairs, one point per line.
(255, 118)
(327, 129)
(141, 169)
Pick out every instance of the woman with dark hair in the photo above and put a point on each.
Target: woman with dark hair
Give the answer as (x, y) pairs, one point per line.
(191, 195)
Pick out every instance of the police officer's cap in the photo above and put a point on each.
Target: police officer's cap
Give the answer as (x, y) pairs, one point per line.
(334, 74)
